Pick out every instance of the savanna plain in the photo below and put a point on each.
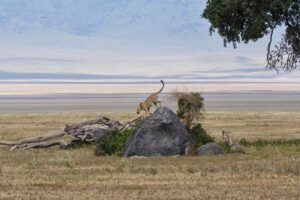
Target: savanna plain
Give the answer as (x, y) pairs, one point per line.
(270, 168)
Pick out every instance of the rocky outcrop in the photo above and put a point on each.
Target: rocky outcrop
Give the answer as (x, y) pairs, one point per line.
(160, 134)
(210, 149)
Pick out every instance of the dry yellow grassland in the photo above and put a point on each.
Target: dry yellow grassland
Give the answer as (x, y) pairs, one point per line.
(269, 172)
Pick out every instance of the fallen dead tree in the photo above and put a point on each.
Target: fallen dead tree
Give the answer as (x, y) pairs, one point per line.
(82, 132)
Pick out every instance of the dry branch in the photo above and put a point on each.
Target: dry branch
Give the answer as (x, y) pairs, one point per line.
(47, 136)
(79, 132)
(60, 143)
(73, 128)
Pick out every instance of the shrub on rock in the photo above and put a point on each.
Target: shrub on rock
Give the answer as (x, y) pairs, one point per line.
(190, 106)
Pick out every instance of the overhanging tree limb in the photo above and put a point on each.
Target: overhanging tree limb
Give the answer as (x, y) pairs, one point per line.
(269, 47)
(247, 20)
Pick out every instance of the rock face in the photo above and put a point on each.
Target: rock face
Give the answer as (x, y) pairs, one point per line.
(99, 134)
(160, 134)
(210, 149)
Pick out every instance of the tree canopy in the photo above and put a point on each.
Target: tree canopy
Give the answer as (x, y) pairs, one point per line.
(249, 20)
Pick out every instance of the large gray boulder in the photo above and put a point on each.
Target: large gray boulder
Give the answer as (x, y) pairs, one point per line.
(160, 134)
(210, 149)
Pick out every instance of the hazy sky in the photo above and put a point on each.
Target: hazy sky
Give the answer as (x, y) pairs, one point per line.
(126, 39)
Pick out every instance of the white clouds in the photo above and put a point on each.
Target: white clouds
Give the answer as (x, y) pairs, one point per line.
(144, 38)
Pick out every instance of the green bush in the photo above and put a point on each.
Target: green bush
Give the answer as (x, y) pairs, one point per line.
(200, 135)
(190, 106)
(112, 143)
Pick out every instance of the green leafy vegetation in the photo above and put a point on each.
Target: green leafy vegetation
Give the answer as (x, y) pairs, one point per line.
(226, 148)
(249, 20)
(262, 142)
(190, 106)
(191, 109)
(112, 143)
(200, 135)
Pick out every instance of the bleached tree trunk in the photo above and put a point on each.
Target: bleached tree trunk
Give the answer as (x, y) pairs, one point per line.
(80, 132)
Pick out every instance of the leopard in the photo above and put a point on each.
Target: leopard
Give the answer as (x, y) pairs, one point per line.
(152, 99)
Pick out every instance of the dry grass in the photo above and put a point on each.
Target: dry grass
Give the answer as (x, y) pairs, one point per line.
(254, 125)
(270, 172)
